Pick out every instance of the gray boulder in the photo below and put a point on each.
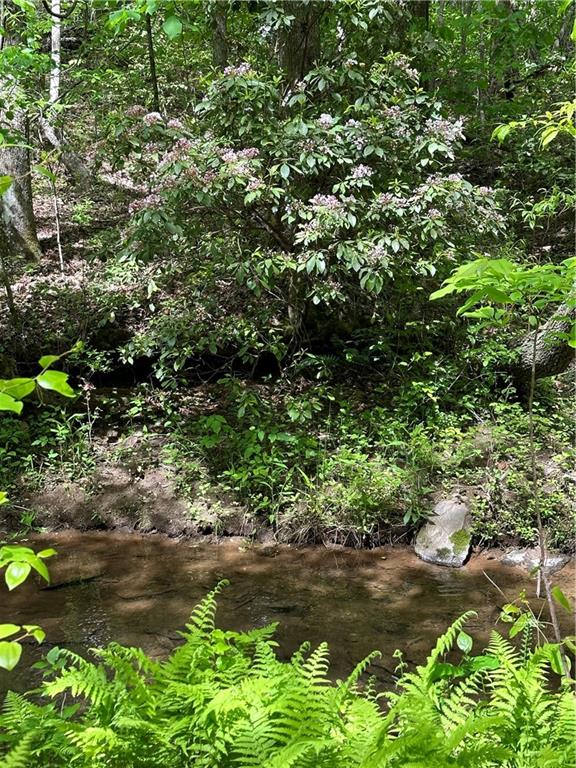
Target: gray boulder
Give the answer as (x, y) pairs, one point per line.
(445, 538)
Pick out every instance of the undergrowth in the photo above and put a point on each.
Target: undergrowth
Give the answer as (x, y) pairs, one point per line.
(223, 699)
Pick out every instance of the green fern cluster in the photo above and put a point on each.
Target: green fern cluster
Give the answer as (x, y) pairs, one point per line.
(224, 700)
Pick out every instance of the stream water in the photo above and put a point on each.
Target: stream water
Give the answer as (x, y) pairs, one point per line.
(139, 590)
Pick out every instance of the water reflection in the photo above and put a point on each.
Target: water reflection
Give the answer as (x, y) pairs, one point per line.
(139, 590)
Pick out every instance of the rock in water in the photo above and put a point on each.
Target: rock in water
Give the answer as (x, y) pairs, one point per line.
(445, 538)
(530, 559)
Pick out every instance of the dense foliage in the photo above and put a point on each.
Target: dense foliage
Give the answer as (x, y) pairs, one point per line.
(223, 699)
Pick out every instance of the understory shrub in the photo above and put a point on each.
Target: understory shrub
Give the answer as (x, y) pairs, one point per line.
(223, 699)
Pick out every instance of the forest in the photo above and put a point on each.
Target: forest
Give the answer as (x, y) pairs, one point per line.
(287, 330)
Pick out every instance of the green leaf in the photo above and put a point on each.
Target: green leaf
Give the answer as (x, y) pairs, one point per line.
(16, 573)
(56, 381)
(464, 642)
(561, 599)
(8, 403)
(5, 183)
(172, 27)
(37, 632)
(47, 552)
(47, 360)
(3, 497)
(284, 171)
(46, 172)
(556, 661)
(549, 134)
(444, 291)
(17, 388)
(519, 625)
(8, 629)
(10, 653)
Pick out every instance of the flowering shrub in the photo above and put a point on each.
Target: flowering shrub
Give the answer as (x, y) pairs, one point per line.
(323, 194)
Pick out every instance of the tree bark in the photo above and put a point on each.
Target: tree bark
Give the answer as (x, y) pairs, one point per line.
(17, 210)
(552, 355)
(218, 21)
(55, 52)
(152, 63)
(299, 43)
(420, 9)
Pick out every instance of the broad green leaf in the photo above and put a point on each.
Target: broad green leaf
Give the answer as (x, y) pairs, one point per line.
(3, 497)
(10, 653)
(8, 629)
(444, 291)
(556, 661)
(519, 625)
(284, 171)
(464, 642)
(172, 27)
(56, 381)
(5, 183)
(47, 360)
(17, 388)
(483, 662)
(47, 552)
(37, 632)
(561, 599)
(8, 403)
(549, 134)
(16, 573)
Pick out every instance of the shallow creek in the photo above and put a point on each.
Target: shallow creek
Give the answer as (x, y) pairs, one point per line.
(139, 590)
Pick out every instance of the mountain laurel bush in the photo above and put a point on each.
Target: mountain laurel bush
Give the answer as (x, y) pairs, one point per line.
(223, 699)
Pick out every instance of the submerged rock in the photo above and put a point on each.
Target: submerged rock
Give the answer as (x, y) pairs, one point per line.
(530, 559)
(445, 538)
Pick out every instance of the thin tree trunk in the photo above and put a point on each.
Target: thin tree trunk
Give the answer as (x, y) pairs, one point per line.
(5, 278)
(299, 43)
(152, 63)
(441, 4)
(55, 52)
(218, 21)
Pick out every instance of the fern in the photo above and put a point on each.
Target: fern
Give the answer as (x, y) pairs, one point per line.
(224, 700)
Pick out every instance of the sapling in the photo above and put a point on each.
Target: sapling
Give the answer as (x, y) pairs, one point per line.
(501, 290)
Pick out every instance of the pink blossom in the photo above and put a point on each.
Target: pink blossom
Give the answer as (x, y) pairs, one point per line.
(361, 172)
(325, 120)
(152, 118)
(238, 71)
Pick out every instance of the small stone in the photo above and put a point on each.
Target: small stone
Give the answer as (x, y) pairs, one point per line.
(445, 538)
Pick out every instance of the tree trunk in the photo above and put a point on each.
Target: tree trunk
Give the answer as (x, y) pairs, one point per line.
(299, 43)
(420, 9)
(55, 52)
(152, 63)
(218, 20)
(17, 210)
(77, 169)
(552, 353)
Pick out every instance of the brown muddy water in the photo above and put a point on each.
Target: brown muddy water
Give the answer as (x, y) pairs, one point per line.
(139, 590)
